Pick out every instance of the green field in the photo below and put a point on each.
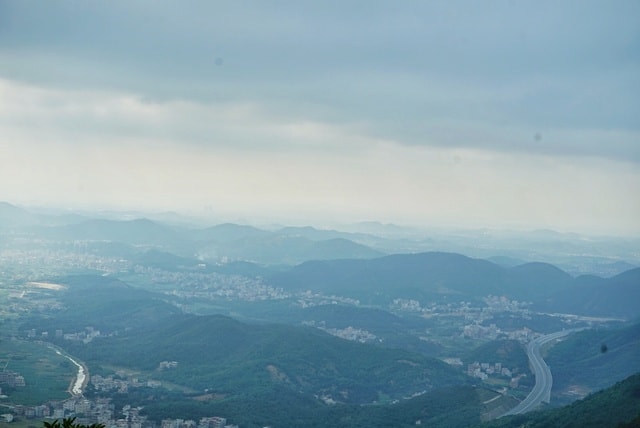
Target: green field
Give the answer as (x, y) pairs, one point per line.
(21, 422)
(47, 374)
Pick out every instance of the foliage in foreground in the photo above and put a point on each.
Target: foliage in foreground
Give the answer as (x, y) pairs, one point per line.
(69, 423)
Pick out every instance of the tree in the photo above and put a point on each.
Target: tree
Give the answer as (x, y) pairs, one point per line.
(69, 423)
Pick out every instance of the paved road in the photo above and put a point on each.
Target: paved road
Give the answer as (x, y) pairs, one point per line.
(541, 392)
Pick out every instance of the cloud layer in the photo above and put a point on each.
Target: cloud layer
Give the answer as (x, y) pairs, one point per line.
(520, 113)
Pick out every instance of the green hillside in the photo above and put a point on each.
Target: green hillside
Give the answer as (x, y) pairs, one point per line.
(533, 280)
(593, 359)
(612, 297)
(450, 407)
(222, 354)
(104, 303)
(219, 353)
(618, 406)
(424, 276)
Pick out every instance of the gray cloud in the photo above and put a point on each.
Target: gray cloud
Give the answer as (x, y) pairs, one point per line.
(280, 40)
(338, 81)
(541, 66)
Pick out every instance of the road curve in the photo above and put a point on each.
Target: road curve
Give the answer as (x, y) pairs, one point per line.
(541, 391)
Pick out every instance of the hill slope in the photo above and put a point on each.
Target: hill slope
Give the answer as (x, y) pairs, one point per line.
(12, 216)
(618, 406)
(581, 364)
(446, 277)
(272, 248)
(429, 276)
(590, 295)
(536, 279)
(219, 353)
(139, 231)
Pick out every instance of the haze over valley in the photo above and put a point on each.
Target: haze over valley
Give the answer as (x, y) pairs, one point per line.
(354, 326)
(319, 214)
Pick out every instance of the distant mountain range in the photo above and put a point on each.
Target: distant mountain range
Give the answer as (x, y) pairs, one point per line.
(341, 263)
(576, 254)
(225, 242)
(137, 232)
(280, 249)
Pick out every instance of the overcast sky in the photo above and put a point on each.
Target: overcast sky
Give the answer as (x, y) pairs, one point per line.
(492, 113)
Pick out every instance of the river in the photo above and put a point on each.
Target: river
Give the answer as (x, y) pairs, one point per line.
(81, 377)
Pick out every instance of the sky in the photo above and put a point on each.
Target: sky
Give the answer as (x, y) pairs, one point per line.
(508, 114)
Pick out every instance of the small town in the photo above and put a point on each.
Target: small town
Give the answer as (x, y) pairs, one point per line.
(102, 411)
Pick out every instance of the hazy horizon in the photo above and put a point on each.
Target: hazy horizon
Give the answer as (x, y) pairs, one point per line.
(501, 114)
(208, 218)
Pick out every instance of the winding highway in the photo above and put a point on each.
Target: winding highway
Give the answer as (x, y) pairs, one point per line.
(541, 391)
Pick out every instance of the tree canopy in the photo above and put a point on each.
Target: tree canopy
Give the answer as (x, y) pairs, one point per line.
(69, 423)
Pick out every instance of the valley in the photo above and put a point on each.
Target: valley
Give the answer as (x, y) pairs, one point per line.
(145, 329)
(329, 214)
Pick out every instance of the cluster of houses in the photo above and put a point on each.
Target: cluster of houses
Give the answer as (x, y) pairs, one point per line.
(85, 336)
(102, 411)
(113, 384)
(492, 332)
(12, 379)
(87, 411)
(484, 370)
(166, 365)
(210, 422)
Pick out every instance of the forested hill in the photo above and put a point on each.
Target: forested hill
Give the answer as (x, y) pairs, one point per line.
(615, 407)
(219, 352)
(593, 359)
(592, 295)
(439, 276)
(429, 276)
(141, 330)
